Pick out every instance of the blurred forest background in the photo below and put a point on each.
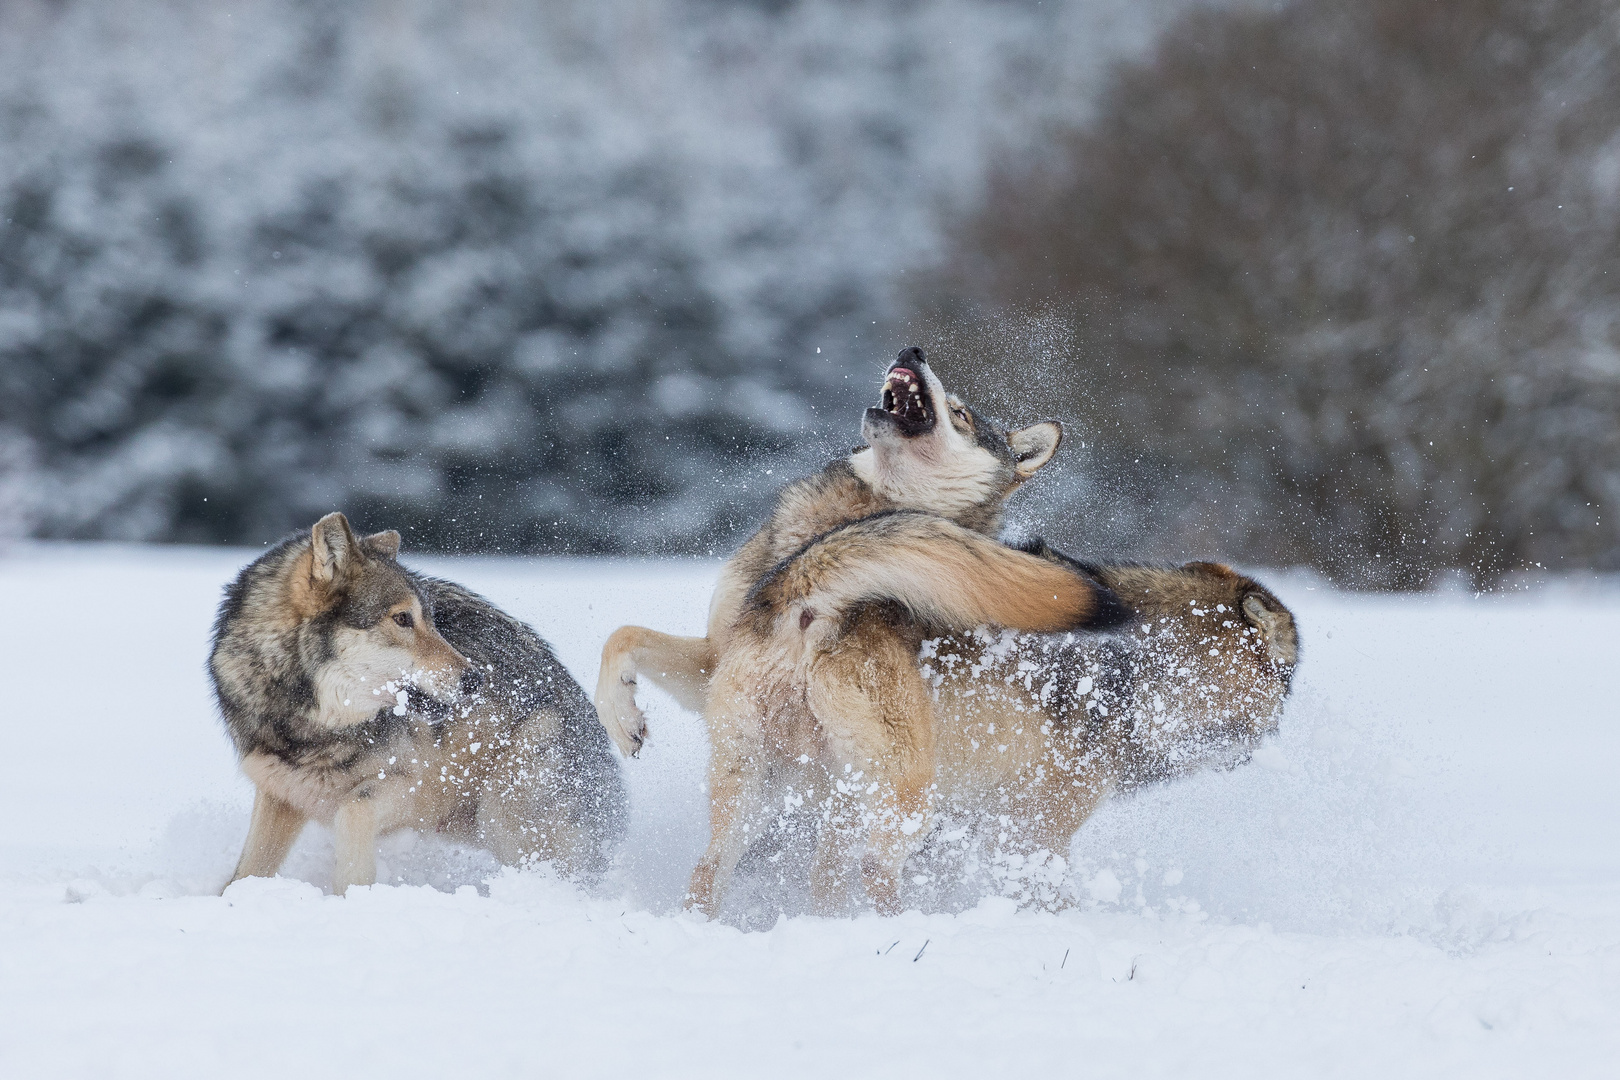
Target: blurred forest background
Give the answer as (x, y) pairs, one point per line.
(1312, 283)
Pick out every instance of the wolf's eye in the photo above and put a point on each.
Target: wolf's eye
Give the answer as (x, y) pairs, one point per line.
(403, 618)
(962, 415)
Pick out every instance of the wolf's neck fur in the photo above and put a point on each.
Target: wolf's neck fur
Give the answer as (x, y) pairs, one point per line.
(840, 493)
(948, 487)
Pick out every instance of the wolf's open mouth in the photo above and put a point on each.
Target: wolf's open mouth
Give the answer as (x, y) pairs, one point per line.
(906, 399)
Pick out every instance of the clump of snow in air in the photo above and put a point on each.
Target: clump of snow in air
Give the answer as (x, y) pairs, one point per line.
(1420, 875)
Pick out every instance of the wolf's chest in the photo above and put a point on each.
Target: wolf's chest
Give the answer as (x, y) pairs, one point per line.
(319, 778)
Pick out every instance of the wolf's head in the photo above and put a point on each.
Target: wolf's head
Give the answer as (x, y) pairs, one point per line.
(927, 450)
(367, 633)
(1221, 649)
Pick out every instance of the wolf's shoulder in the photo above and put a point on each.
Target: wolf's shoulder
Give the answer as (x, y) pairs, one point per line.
(824, 500)
(518, 663)
(464, 616)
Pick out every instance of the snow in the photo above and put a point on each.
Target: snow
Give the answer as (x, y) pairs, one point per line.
(1419, 877)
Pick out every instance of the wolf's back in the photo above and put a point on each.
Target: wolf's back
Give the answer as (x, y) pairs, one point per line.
(943, 574)
(523, 676)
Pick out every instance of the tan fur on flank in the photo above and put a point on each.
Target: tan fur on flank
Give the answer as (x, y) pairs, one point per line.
(825, 650)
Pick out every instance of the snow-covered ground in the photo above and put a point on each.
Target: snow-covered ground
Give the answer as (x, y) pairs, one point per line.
(1420, 877)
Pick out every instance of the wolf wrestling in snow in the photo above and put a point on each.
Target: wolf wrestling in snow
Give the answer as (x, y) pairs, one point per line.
(820, 700)
(810, 681)
(926, 450)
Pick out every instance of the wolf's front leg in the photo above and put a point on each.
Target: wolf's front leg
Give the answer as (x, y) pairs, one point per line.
(837, 839)
(680, 665)
(274, 827)
(1067, 794)
(736, 786)
(355, 833)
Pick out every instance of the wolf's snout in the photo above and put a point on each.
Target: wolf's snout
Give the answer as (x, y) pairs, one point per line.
(909, 358)
(905, 401)
(471, 680)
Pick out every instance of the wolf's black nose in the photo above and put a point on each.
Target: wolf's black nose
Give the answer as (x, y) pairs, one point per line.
(471, 680)
(912, 355)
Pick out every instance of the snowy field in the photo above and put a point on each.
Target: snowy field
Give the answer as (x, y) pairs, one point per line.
(1419, 877)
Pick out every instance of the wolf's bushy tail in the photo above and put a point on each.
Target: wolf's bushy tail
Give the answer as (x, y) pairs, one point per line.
(944, 574)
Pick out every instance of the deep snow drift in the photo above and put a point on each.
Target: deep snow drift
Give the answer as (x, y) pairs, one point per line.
(1420, 876)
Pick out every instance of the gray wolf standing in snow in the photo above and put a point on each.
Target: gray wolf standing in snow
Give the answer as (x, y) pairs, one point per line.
(926, 450)
(855, 681)
(371, 698)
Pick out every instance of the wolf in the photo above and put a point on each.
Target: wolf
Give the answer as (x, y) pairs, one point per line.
(363, 695)
(1047, 728)
(851, 683)
(925, 449)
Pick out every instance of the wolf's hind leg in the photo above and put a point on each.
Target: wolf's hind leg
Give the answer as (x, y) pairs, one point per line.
(274, 827)
(1054, 808)
(355, 833)
(519, 825)
(870, 700)
(679, 665)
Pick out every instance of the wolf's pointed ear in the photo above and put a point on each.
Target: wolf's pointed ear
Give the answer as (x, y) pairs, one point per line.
(1034, 446)
(335, 550)
(1270, 624)
(385, 544)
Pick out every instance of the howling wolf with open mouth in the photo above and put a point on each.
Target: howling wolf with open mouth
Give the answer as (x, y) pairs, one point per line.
(371, 698)
(926, 450)
(928, 453)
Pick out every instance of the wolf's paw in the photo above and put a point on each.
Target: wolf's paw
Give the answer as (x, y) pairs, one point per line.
(616, 708)
(882, 885)
(700, 894)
